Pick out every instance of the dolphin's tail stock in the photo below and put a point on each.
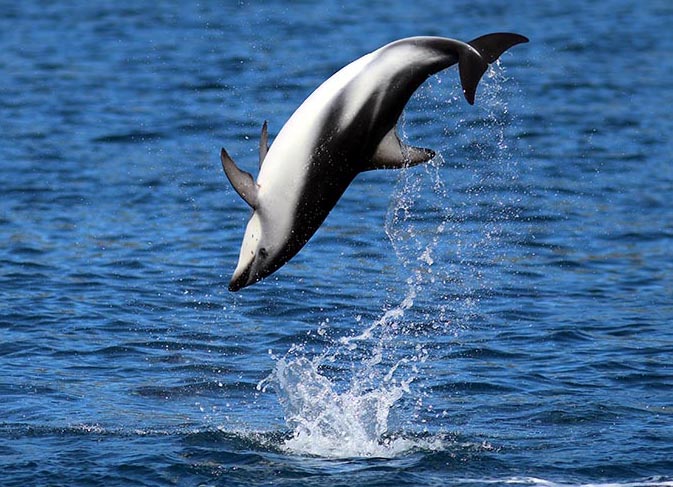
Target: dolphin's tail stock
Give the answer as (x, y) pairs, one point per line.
(472, 63)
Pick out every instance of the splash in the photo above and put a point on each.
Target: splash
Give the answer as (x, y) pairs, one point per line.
(327, 423)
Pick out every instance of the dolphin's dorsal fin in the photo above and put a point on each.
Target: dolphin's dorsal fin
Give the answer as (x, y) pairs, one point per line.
(242, 181)
(263, 143)
(392, 153)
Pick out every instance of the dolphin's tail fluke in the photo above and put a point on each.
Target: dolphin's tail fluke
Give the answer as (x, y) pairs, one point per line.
(473, 63)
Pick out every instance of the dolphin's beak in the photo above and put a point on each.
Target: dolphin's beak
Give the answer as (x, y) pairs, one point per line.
(241, 279)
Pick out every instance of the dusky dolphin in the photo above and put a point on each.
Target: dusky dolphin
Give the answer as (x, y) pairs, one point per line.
(346, 126)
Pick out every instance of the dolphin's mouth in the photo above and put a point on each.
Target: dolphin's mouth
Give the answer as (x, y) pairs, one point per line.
(252, 273)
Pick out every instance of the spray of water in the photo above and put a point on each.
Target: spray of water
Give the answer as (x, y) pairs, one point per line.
(327, 423)
(359, 419)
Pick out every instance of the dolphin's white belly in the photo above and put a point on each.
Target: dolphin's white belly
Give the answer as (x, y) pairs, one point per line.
(283, 174)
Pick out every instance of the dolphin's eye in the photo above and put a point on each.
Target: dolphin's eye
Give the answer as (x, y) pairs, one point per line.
(263, 253)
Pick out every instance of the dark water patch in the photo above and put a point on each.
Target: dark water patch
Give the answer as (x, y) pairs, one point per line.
(18, 390)
(571, 336)
(567, 264)
(213, 85)
(195, 389)
(576, 414)
(301, 338)
(472, 387)
(639, 237)
(525, 315)
(485, 354)
(128, 138)
(198, 126)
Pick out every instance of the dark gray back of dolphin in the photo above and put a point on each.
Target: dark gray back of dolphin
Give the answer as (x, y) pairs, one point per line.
(353, 151)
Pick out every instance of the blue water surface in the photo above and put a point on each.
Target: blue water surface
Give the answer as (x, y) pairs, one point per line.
(499, 316)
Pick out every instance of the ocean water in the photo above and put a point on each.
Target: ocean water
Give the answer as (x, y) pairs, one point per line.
(499, 316)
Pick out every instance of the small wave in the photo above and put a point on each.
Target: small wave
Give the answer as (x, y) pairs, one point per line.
(539, 482)
(19, 430)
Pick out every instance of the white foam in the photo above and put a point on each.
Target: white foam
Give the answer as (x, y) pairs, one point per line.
(327, 423)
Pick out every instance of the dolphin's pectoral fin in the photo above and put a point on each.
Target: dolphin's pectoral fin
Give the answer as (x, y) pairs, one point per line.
(392, 153)
(263, 143)
(242, 181)
(472, 63)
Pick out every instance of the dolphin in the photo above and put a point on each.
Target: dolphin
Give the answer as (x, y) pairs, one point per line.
(346, 126)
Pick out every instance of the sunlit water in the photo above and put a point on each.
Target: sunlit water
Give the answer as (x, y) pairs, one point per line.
(499, 316)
